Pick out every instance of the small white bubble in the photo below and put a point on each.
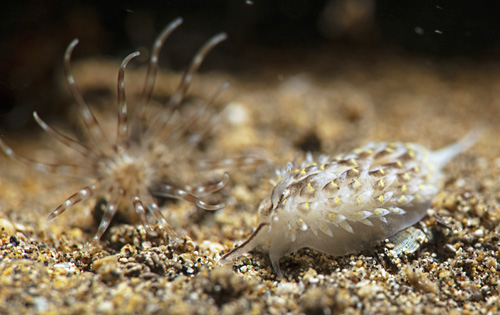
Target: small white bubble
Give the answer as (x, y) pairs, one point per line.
(236, 113)
(419, 30)
(438, 31)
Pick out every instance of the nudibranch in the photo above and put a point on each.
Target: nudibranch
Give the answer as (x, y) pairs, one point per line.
(345, 204)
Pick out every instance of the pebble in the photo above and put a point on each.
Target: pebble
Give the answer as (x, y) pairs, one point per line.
(479, 233)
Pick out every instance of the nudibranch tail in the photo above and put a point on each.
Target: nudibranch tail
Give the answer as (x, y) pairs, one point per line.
(442, 156)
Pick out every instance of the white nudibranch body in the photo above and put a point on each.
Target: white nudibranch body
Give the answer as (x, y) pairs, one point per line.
(345, 204)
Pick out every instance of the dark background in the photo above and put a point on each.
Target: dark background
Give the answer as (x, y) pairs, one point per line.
(34, 34)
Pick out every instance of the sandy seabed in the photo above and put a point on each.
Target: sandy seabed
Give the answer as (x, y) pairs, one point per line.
(329, 101)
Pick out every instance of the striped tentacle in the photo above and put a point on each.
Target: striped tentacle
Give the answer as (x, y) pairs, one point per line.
(178, 193)
(89, 120)
(122, 129)
(201, 191)
(69, 170)
(185, 82)
(66, 140)
(82, 195)
(151, 74)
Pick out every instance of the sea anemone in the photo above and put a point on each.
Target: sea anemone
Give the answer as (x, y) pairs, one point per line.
(143, 161)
